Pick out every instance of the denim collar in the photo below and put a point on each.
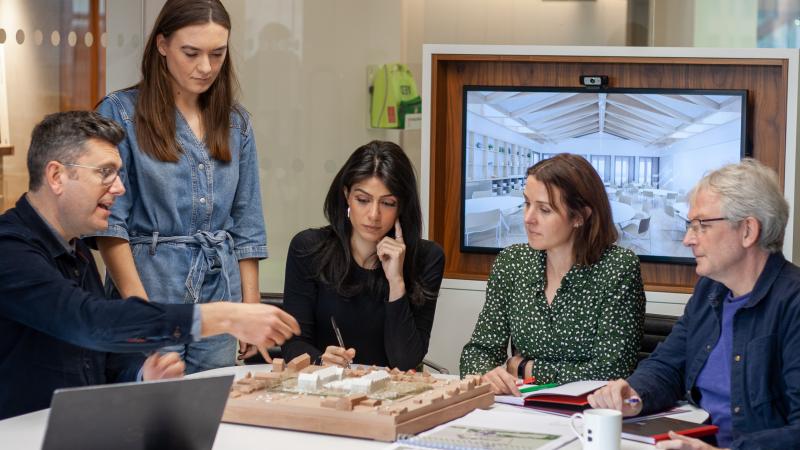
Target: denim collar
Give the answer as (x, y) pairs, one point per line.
(41, 230)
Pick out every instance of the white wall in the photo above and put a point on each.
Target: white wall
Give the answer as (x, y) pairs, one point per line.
(704, 23)
(726, 23)
(601, 22)
(303, 70)
(686, 161)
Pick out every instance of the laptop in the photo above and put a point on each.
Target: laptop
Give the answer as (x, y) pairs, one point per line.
(173, 414)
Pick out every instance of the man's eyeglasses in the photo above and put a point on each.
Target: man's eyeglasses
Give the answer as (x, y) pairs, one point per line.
(108, 174)
(699, 226)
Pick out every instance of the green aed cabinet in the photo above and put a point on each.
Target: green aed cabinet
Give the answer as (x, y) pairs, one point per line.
(394, 94)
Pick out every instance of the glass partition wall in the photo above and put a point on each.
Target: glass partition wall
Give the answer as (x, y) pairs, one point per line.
(52, 58)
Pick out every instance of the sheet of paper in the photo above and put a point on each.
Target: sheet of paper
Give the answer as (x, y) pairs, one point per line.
(494, 430)
(510, 399)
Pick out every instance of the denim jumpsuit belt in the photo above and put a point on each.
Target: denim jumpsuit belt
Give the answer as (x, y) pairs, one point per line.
(216, 250)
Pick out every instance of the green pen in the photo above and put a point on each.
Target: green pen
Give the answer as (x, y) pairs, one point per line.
(538, 387)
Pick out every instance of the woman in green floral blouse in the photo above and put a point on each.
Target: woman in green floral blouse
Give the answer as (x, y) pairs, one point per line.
(570, 300)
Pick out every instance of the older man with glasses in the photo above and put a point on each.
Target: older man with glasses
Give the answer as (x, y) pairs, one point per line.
(736, 350)
(57, 329)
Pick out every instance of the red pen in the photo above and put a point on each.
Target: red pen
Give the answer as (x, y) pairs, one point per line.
(529, 380)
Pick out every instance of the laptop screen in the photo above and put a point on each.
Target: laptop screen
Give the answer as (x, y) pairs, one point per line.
(180, 413)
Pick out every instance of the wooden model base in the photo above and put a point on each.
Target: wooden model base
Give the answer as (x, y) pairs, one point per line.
(409, 404)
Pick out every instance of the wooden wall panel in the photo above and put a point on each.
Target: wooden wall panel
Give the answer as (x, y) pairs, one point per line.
(764, 79)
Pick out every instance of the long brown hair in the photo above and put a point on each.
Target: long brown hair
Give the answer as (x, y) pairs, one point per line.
(580, 187)
(155, 110)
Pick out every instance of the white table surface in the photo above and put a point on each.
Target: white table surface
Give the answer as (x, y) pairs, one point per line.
(27, 431)
(621, 212)
(503, 203)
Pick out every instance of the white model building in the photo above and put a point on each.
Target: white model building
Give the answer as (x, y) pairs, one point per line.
(312, 382)
(367, 384)
(370, 382)
(308, 382)
(341, 385)
(330, 373)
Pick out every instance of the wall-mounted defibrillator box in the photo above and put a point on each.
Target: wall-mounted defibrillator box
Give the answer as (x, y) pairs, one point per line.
(394, 96)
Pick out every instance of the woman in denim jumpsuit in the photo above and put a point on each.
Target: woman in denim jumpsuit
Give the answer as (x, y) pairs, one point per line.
(190, 228)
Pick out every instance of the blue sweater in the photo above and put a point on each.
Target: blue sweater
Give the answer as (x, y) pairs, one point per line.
(765, 371)
(714, 381)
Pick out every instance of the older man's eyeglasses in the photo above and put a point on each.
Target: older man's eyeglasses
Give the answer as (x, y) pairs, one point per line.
(108, 174)
(699, 226)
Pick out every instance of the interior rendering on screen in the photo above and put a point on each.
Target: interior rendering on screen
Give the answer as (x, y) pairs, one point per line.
(648, 146)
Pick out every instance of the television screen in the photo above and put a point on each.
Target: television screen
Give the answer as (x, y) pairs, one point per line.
(648, 146)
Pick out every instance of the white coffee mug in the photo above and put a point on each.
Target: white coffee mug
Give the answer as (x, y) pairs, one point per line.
(601, 428)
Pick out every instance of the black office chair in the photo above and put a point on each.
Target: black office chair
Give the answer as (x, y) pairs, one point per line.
(437, 367)
(656, 328)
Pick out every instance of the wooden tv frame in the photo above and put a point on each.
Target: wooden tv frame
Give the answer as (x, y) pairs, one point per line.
(769, 76)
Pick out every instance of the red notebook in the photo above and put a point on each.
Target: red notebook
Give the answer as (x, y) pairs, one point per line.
(558, 403)
(656, 429)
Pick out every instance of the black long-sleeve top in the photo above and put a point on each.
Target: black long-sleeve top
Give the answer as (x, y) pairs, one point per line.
(391, 334)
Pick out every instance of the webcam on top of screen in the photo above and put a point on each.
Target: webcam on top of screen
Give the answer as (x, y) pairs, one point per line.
(594, 81)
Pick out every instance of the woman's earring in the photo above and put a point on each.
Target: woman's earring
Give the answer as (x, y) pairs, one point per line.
(348, 212)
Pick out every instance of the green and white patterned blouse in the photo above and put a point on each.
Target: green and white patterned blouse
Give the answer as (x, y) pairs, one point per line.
(591, 331)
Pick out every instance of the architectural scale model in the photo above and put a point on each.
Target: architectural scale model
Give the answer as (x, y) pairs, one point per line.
(372, 403)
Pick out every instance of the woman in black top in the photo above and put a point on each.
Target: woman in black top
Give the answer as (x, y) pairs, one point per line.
(369, 269)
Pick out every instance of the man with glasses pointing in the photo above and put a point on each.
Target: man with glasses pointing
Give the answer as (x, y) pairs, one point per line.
(736, 350)
(58, 330)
